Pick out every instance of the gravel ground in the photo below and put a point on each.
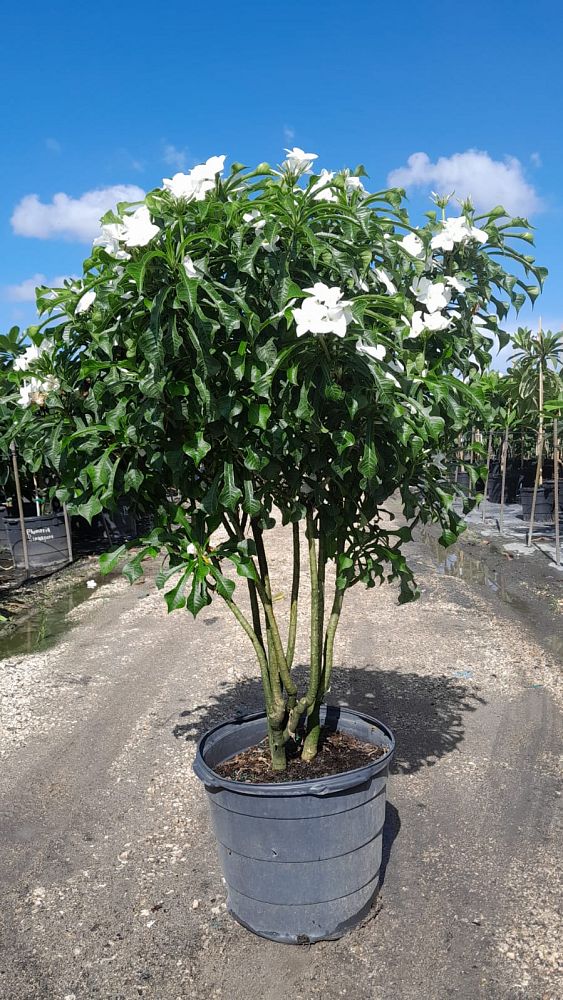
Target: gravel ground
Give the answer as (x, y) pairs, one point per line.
(111, 887)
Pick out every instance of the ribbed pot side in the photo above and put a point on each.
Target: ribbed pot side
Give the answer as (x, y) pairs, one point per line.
(301, 859)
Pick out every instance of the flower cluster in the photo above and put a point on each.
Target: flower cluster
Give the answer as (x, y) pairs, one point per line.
(33, 389)
(299, 162)
(324, 311)
(457, 229)
(134, 230)
(198, 182)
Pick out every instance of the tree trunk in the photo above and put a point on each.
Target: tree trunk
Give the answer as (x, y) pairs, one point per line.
(489, 456)
(503, 478)
(538, 476)
(20, 507)
(556, 491)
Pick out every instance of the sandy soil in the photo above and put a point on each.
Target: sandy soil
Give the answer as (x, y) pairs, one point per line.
(110, 884)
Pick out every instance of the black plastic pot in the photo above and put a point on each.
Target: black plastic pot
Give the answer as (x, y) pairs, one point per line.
(463, 481)
(3, 531)
(494, 487)
(46, 540)
(301, 859)
(549, 490)
(544, 504)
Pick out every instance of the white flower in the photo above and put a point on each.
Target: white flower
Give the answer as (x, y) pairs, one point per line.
(425, 321)
(436, 321)
(396, 366)
(180, 186)
(50, 383)
(432, 295)
(25, 394)
(323, 312)
(209, 170)
(413, 245)
(378, 352)
(391, 378)
(189, 267)
(353, 184)
(328, 194)
(31, 354)
(85, 302)
(112, 234)
(34, 390)
(139, 230)
(456, 283)
(253, 218)
(385, 280)
(91, 584)
(270, 245)
(298, 161)
(416, 324)
(191, 549)
(198, 182)
(457, 229)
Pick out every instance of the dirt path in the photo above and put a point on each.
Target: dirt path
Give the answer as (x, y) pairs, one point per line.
(110, 884)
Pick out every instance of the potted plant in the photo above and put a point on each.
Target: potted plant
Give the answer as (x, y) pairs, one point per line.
(276, 345)
(535, 371)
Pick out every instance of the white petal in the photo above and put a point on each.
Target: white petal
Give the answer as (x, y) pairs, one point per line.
(85, 301)
(378, 352)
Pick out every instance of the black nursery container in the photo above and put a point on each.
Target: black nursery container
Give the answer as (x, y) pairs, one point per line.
(46, 540)
(463, 482)
(544, 504)
(3, 531)
(301, 859)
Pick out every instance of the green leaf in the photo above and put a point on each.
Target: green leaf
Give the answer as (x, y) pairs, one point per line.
(197, 448)
(199, 596)
(176, 597)
(87, 510)
(225, 587)
(187, 290)
(304, 409)
(259, 414)
(230, 494)
(133, 479)
(343, 439)
(109, 560)
(250, 504)
(447, 538)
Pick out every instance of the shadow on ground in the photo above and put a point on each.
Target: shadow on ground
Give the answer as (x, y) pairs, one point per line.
(428, 712)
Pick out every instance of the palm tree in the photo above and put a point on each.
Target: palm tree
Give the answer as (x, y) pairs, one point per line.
(537, 360)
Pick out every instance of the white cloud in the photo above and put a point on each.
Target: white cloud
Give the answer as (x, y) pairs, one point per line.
(288, 133)
(25, 291)
(68, 218)
(536, 159)
(53, 145)
(174, 157)
(489, 182)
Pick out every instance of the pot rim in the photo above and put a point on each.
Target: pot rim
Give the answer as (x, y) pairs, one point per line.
(327, 785)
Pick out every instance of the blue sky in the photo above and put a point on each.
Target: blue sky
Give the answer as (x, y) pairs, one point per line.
(111, 94)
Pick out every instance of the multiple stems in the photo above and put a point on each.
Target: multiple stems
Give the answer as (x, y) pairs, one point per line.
(289, 716)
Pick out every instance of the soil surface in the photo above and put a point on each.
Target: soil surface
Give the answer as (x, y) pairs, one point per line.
(337, 753)
(111, 886)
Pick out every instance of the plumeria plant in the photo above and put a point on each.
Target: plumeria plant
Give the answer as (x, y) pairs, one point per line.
(271, 344)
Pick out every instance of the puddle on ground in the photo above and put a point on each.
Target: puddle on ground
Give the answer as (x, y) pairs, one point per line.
(44, 626)
(458, 563)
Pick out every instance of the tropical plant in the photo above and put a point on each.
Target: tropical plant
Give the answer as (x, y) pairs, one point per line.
(537, 372)
(272, 344)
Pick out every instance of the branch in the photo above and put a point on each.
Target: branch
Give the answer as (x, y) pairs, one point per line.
(292, 633)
